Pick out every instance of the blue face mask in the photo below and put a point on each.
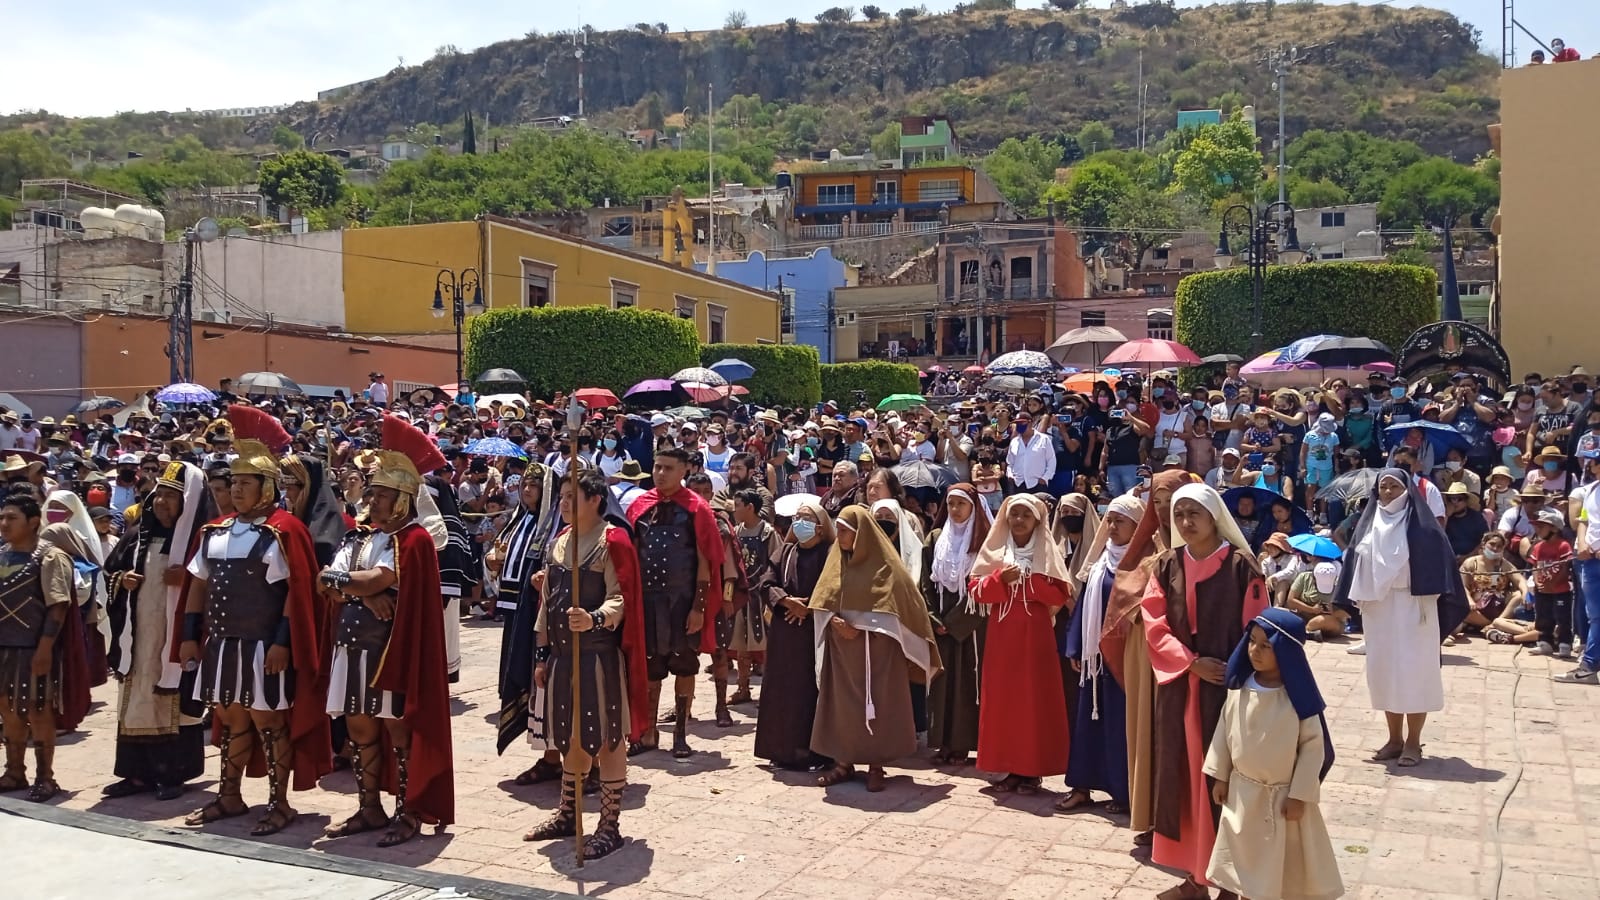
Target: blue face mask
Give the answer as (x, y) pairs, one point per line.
(1198, 405)
(1158, 393)
(812, 441)
(610, 443)
(1122, 394)
(804, 530)
(1269, 470)
(1397, 392)
(1552, 467)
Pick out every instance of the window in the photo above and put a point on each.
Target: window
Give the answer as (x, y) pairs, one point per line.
(934, 189)
(1091, 318)
(538, 284)
(1333, 220)
(623, 294)
(1331, 254)
(836, 194)
(787, 326)
(685, 307)
(886, 193)
(716, 322)
(969, 272)
(1160, 254)
(1021, 267)
(1155, 290)
(1158, 324)
(1186, 262)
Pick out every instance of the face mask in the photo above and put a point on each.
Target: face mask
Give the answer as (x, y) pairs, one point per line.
(1269, 470)
(1524, 404)
(1158, 393)
(1074, 524)
(610, 443)
(813, 441)
(1552, 467)
(1168, 403)
(1357, 411)
(1453, 465)
(804, 530)
(54, 516)
(1145, 481)
(1198, 405)
(1122, 394)
(714, 440)
(1133, 405)
(1397, 392)
(890, 529)
(1490, 554)
(1580, 389)
(1104, 402)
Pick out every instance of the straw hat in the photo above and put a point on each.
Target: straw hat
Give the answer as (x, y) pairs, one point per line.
(1460, 490)
(1549, 454)
(631, 472)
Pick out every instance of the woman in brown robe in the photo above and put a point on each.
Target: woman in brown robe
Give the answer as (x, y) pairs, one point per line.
(789, 676)
(874, 636)
(1125, 650)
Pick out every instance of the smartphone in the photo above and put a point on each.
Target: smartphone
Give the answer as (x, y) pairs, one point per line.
(1119, 414)
(975, 429)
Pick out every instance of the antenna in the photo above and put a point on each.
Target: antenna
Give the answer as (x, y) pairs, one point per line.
(1508, 34)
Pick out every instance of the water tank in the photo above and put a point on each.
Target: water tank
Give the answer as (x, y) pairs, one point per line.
(133, 220)
(783, 180)
(98, 222)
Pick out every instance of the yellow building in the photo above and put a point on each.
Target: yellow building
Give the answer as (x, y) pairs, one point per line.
(389, 276)
(1548, 194)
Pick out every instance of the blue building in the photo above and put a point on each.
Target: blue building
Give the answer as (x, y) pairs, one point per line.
(807, 284)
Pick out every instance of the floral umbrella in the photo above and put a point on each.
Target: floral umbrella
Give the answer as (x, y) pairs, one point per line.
(1022, 362)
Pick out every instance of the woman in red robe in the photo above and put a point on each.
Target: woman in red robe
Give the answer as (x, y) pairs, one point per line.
(1201, 595)
(1021, 578)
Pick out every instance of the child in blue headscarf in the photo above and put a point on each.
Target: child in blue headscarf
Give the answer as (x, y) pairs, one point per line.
(1268, 755)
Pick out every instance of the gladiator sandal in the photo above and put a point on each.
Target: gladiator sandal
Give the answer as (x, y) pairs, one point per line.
(279, 814)
(16, 776)
(228, 803)
(565, 821)
(680, 731)
(607, 838)
(369, 815)
(724, 718)
(44, 775)
(405, 824)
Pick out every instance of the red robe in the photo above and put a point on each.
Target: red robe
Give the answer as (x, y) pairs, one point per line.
(307, 610)
(414, 664)
(625, 560)
(707, 541)
(1022, 706)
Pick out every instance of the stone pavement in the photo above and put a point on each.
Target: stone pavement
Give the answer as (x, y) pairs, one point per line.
(1491, 812)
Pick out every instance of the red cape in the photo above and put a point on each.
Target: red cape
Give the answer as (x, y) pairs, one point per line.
(625, 560)
(308, 623)
(707, 541)
(414, 664)
(72, 652)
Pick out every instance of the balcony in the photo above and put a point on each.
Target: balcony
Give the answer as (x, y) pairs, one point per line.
(864, 229)
(1020, 289)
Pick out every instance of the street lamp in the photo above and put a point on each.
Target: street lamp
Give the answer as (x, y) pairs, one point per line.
(1259, 226)
(457, 285)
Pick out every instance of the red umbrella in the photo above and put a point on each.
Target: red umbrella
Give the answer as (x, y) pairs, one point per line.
(1152, 353)
(705, 394)
(596, 398)
(972, 370)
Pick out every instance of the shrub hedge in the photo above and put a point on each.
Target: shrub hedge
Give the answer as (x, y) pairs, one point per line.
(786, 374)
(878, 379)
(562, 348)
(1384, 301)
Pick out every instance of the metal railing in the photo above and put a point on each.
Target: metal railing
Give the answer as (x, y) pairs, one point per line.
(864, 229)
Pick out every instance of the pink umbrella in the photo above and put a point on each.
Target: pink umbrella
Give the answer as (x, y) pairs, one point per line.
(1265, 371)
(1151, 353)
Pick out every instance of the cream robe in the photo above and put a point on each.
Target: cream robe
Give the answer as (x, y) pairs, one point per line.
(1267, 753)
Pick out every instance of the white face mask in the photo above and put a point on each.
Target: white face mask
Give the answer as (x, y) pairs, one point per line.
(1453, 465)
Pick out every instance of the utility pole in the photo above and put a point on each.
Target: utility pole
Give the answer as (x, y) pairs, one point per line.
(1279, 61)
(711, 182)
(180, 331)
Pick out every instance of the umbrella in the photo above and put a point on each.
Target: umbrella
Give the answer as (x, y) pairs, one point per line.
(901, 401)
(1341, 352)
(1268, 371)
(488, 400)
(1083, 382)
(704, 394)
(919, 473)
(699, 376)
(494, 446)
(972, 370)
(939, 369)
(97, 403)
(1021, 362)
(1012, 384)
(787, 506)
(184, 392)
(1085, 346)
(1218, 359)
(267, 384)
(1316, 545)
(1356, 483)
(23, 409)
(733, 369)
(654, 392)
(500, 378)
(1152, 352)
(687, 412)
(596, 398)
(1442, 437)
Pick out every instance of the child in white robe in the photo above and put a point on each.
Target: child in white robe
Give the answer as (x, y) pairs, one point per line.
(1268, 755)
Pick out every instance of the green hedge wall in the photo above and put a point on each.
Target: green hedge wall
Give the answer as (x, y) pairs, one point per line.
(786, 374)
(562, 348)
(1383, 301)
(878, 379)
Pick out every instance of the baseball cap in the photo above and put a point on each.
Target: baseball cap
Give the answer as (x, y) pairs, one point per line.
(660, 419)
(128, 459)
(860, 423)
(1326, 575)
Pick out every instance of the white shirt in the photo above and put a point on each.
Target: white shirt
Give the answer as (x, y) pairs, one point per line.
(611, 465)
(8, 437)
(1590, 497)
(236, 542)
(1431, 494)
(718, 462)
(1222, 416)
(378, 391)
(1515, 522)
(28, 439)
(377, 552)
(1031, 461)
(1176, 423)
(1221, 480)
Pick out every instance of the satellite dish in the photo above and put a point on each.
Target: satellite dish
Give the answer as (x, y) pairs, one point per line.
(237, 232)
(206, 230)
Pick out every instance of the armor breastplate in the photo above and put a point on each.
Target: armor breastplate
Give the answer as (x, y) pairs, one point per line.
(558, 580)
(667, 557)
(359, 628)
(240, 603)
(22, 606)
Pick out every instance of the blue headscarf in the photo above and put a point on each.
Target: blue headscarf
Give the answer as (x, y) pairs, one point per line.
(1286, 632)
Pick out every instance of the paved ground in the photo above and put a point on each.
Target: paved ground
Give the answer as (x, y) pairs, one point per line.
(1491, 812)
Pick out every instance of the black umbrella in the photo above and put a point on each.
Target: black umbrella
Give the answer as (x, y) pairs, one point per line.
(1356, 484)
(267, 384)
(1218, 359)
(1347, 352)
(98, 403)
(919, 473)
(496, 380)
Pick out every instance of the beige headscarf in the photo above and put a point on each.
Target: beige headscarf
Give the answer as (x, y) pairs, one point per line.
(1081, 558)
(1126, 505)
(1227, 528)
(873, 591)
(1042, 556)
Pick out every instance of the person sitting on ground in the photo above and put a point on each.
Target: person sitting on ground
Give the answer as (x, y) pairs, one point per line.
(1311, 597)
(1492, 583)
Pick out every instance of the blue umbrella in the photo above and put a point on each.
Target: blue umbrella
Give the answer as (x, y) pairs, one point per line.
(1442, 437)
(494, 446)
(733, 369)
(1316, 545)
(184, 392)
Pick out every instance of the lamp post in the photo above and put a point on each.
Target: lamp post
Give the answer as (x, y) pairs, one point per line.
(1259, 227)
(457, 285)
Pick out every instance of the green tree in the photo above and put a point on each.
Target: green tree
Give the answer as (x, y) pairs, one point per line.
(286, 139)
(1094, 137)
(1362, 164)
(1146, 218)
(1065, 4)
(1022, 169)
(886, 143)
(1305, 194)
(302, 179)
(873, 13)
(736, 20)
(24, 155)
(1092, 195)
(1219, 160)
(469, 135)
(1436, 192)
(654, 115)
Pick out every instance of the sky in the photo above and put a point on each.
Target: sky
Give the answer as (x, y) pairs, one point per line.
(98, 57)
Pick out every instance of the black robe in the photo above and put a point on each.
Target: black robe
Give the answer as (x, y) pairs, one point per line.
(789, 679)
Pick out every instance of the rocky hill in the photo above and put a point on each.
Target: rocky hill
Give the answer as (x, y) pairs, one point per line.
(1416, 74)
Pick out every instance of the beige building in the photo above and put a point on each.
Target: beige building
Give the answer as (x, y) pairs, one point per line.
(1548, 233)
